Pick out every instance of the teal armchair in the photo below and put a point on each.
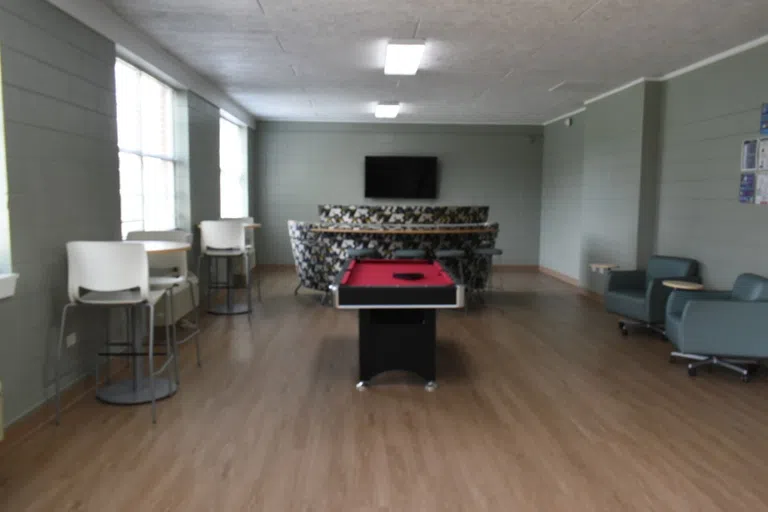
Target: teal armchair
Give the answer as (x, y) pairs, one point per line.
(721, 328)
(639, 297)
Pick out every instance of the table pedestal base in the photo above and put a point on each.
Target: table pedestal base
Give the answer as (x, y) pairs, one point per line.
(123, 392)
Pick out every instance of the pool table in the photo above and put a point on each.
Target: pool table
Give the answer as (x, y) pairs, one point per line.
(397, 303)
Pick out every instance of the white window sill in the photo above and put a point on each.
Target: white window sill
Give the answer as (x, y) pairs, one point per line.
(8, 285)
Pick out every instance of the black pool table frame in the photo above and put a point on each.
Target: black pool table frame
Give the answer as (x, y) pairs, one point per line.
(397, 325)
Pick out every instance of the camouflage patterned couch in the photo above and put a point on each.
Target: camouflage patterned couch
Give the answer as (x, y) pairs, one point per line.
(319, 256)
(399, 214)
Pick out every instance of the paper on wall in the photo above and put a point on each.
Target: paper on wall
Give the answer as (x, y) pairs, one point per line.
(749, 155)
(747, 187)
(761, 189)
(762, 155)
(764, 119)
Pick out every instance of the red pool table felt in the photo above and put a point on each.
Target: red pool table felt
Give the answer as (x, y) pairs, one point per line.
(380, 273)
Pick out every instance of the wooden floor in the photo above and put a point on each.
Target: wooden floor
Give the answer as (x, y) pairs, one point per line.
(542, 406)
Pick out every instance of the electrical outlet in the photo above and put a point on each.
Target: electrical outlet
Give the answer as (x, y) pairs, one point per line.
(71, 339)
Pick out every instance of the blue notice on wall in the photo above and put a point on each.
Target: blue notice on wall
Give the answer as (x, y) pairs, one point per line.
(749, 155)
(747, 188)
(764, 119)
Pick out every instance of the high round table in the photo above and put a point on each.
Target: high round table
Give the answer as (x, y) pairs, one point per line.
(247, 225)
(135, 390)
(161, 246)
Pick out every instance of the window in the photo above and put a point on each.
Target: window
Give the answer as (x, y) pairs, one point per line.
(145, 138)
(5, 231)
(233, 165)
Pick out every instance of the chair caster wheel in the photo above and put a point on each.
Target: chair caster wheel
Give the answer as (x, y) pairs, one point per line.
(431, 386)
(745, 378)
(691, 372)
(624, 331)
(362, 385)
(622, 325)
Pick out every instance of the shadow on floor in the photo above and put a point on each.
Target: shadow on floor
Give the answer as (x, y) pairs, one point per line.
(337, 359)
(517, 300)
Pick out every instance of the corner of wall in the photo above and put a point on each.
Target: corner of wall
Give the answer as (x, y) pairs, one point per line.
(650, 173)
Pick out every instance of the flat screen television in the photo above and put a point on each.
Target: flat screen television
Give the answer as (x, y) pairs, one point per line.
(401, 177)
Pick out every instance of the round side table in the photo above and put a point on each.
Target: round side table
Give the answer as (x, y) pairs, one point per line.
(682, 285)
(602, 268)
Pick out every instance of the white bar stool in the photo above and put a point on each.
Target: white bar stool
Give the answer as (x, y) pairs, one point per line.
(250, 245)
(116, 274)
(225, 239)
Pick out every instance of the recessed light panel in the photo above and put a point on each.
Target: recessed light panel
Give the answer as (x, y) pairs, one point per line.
(403, 57)
(387, 110)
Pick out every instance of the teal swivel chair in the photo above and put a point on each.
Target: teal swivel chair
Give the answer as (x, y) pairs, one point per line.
(720, 328)
(639, 297)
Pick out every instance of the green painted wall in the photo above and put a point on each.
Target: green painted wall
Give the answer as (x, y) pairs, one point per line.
(600, 185)
(660, 174)
(63, 184)
(706, 115)
(562, 169)
(647, 221)
(610, 208)
(302, 165)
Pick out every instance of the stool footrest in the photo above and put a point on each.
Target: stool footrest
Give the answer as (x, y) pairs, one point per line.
(450, 253)
(131, 354)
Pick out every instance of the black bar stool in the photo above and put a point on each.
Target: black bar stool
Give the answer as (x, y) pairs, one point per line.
(487, 254)
(457, 255)
(365, 252)
(410, 254)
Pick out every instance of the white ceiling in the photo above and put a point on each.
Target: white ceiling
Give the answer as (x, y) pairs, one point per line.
(486, 61)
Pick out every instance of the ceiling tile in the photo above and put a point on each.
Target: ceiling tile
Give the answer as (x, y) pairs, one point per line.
(486, 61)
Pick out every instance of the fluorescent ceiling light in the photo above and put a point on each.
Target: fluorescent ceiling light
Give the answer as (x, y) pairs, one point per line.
(387, 110)
(403, 57)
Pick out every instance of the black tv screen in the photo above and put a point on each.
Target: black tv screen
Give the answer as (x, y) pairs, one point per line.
(401, 177)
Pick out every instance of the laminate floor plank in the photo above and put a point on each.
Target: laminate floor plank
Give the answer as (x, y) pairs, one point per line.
(542, 405)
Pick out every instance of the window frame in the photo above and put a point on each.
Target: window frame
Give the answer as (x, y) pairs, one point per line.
(242, 173)
(6, 257)
(138, 151)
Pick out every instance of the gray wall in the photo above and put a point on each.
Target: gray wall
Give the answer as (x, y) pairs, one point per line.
(302, 165)
(560, 246)
(204, 184)
(204, 158)
(61, 138)
(661, 175)
(611, 181)
(63, 183)
(601, 185)
(649, 180)
(706, 115)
